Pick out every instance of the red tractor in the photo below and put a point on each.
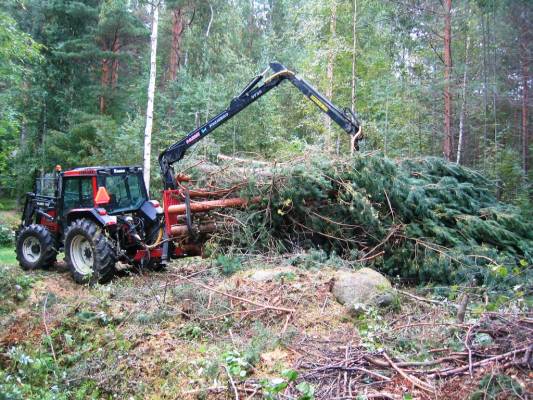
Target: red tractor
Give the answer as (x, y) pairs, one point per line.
(101, 215)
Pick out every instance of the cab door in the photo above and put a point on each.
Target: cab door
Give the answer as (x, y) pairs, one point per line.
(77, 192)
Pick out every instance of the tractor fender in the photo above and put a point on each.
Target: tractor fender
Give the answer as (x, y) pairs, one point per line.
(98, 215)
(151, 210)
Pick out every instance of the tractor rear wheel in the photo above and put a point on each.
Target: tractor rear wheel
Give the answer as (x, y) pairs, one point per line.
(89, 253)
(35, 247)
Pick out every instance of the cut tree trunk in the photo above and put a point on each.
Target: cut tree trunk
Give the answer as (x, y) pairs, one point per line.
(151, 91)
(448, 138)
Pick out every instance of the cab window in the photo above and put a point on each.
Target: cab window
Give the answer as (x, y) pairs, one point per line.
(77, 193)
(125, 191)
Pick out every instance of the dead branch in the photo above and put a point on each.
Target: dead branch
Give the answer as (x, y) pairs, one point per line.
(235, 391)
(459, 370)
(414, 380)
(418, 298)
(46, 329)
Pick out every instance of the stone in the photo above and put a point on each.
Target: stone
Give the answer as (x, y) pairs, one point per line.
(363, 286)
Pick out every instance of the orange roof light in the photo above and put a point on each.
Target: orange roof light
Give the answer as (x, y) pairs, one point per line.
(102, 197)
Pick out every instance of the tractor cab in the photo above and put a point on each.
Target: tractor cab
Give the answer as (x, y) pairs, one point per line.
(117, 190)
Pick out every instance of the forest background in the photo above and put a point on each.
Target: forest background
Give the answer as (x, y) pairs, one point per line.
(426, 77)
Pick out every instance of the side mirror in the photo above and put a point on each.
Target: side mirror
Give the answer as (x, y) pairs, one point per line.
(102, 197)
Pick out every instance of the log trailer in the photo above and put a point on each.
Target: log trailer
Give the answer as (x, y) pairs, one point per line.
(102, 215)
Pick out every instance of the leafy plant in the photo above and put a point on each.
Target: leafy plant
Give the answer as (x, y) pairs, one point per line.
(228, 265)
(237, 364)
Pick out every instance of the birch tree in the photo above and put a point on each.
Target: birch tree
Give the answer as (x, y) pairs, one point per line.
(460, 144)
(151, 92)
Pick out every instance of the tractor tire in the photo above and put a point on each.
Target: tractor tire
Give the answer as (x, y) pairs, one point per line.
(89, 253)
(35, 247)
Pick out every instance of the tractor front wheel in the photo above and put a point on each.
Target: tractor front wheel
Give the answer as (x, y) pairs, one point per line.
(89, 253)
(35, 247)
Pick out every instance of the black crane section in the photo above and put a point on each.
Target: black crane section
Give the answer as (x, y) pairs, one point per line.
(344, 118)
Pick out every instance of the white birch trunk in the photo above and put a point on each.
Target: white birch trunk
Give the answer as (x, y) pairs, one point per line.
(151, 91)
(354, 47)
(329, 70)
(463, 106)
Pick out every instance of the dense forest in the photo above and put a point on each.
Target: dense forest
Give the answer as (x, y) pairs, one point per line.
(436, 78)
(400, 271)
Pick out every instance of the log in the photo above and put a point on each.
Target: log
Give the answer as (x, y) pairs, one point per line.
(204, 206)
(182, 230)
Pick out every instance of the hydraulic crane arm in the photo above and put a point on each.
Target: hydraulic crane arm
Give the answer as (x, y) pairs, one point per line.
(344, 118)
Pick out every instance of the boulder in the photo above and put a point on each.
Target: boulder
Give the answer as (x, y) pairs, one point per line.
(364, 286)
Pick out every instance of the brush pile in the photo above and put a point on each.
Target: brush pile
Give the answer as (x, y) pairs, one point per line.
(424, 220)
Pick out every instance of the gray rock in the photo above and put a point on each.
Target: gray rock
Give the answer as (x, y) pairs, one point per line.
(356, 310)
(362, 286)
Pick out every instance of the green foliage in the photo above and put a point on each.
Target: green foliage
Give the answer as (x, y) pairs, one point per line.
(237, 364)
(492, 387)
(15, 288)
(434, 221)
(7, 236)
(228, 265)
(272, 388)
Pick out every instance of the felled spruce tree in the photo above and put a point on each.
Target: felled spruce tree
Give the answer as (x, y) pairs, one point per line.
(425, 219)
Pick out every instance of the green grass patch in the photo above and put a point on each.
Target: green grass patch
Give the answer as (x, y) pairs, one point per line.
(7, 204)
(7, 256)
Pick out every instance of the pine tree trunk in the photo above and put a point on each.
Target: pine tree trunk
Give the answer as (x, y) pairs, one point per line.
(460, 144)
(151, 91)
(448, 139)
(114, 68)
(329, 70)
(104, 83)
(175, 50)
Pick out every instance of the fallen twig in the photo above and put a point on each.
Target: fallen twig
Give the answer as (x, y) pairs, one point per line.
(46, 329)
(235, 391)
(454, 371)
(414, 380)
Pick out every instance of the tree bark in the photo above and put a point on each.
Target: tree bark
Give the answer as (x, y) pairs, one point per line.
(104, 83)
(460, 144)
(329, 69)
(448, 138)
(354, 48)
(485, 90)
(114, 67)
(524, 58)
(175, 50)
(151, 91)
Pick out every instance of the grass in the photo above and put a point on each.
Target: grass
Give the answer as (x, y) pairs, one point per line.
(7, 256)
(8, 204)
